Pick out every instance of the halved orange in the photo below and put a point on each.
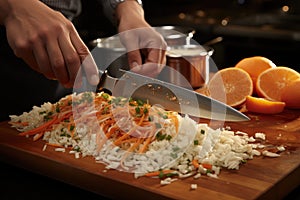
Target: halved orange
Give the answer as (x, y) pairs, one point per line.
(255, 66)
(231, 86)
(291, 95)
(271, 82)
(262, 105)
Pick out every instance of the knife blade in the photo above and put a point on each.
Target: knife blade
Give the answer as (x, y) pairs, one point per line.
(168, 96)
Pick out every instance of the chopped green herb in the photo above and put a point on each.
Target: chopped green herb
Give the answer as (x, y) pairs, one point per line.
(202, 131)
(57, 109)
(76, 148)
(161, 174)
(176, 148)
(150, 118)
(157, 125)
(105, 95)
(105, 109)
(137, 110)
(196, 142)
(140, 102)
(173, 155)
(169, 137)
(164, 116)
(145, 110)
(72, 127)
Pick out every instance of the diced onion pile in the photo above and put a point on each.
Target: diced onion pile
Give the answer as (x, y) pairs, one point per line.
(161, 143)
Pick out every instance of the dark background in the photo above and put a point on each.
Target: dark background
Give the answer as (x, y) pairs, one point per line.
(254, 27)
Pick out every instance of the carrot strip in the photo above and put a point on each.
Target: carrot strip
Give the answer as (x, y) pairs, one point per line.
(39, 128)
(54, 120)
(175, 121)
(195, 163)
(111, 131)
(142, 119)
(206, 166)
(129, 140)
(146, 143)
(123, 137)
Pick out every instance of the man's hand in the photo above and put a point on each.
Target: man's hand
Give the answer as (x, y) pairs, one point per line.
(47, 41)
(140, 39)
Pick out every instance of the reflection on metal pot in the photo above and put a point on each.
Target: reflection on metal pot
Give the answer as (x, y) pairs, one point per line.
(190, 62)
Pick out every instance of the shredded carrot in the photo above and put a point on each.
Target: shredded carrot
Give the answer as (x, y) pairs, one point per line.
(206, 165)
(146, 143)
(142, 119)
(111, 131)
(175, 121)
(124, 136)
(40, 128)
(195, 163)
(130, 140)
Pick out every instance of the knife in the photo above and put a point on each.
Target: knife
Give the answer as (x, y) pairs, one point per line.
(169, 96)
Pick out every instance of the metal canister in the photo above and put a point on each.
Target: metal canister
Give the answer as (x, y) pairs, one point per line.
(189, 65)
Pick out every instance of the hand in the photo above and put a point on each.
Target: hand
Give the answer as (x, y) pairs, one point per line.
(47, 42)
(140, 38)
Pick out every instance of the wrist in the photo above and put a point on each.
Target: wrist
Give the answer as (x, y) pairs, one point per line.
(115, 3)
(129, 11)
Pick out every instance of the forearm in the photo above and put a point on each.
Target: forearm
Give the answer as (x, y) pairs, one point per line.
(130, 12)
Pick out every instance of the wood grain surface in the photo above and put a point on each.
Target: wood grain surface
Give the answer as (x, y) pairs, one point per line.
(260, 178)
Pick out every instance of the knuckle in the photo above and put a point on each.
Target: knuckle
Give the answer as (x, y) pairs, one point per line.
(58, 64)
(83, 52)
(20, 47)
(72, 60)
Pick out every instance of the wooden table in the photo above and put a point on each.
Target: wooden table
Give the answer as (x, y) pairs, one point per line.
(260, 178)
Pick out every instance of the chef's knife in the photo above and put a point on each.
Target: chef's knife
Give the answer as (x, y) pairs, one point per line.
(169, 96)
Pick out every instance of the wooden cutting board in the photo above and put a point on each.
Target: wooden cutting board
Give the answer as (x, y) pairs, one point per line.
(260, 178)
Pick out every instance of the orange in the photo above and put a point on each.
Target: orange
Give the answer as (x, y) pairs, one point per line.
(255, 66)
(291, 95)
(262, 105)
(231, 86)
(271, 82)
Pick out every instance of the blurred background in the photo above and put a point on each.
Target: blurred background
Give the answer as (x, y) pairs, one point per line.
(269, 28)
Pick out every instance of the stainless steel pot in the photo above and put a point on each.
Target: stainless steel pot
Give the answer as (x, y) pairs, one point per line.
(176, 35)
(109, 53)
